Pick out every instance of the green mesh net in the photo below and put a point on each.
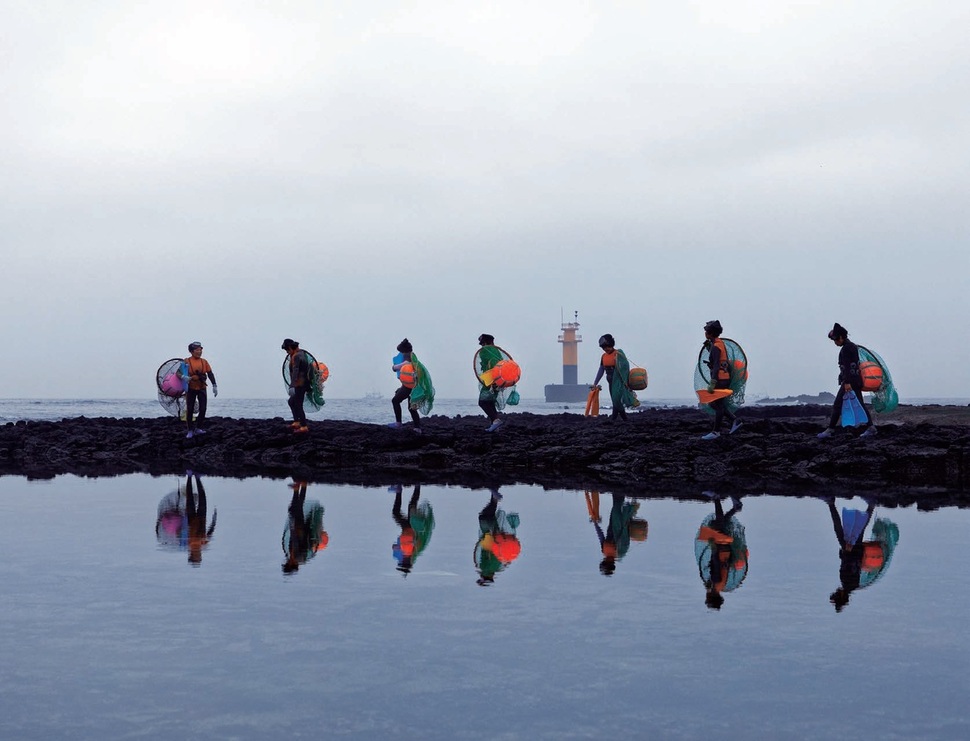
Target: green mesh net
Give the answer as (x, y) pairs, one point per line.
(737, 564)
(886, 535)
(737, 365)
(422, 395)
(486, 358)
(313, 401)
(885, 399)
(620, 392)
(170, 383)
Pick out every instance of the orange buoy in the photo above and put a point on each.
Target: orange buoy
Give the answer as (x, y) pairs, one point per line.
(323, 372)
(871, 376)
(638, 379)
(408, 376)
(741, 369)
(872, 556)
(506, 548)
(506, 373)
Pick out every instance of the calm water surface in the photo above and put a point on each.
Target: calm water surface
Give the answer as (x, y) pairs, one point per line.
(125, 615)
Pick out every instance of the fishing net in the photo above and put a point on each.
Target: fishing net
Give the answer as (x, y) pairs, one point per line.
(886, 536)
(708, 540)
(172, 525)
(484, 360)
(317, 375)
(421, 520)
(737, 366)
(885, 399)
(422, 395)
(171, 381)
(620, 392)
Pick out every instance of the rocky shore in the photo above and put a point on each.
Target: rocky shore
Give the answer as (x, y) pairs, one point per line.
(921, 454)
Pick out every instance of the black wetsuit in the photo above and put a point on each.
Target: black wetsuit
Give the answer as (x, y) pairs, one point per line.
(299, 381)
(400, 395)
(720, 406)
(849, 373)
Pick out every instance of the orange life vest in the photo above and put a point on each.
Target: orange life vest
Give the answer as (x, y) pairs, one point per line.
(723, 369)
(609, 359)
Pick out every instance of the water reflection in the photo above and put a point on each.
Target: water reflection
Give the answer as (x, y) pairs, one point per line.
(416, 528)
(721, 551)
(304, 535)
(622, 527)
(861, 562)
(182, 519)
(497, 545)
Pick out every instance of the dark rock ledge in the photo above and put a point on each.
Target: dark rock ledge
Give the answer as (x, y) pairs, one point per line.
(656, 452)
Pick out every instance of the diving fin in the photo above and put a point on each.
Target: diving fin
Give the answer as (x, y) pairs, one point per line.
(858, 410)
(853, 523)
(851, 411)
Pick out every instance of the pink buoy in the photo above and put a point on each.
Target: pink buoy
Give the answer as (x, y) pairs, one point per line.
(172, 385)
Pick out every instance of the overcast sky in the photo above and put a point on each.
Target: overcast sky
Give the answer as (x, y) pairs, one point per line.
(350, 173)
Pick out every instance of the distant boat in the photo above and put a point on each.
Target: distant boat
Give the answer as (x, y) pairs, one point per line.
(373, 396)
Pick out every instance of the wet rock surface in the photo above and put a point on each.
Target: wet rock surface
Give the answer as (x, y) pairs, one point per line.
(920, 455)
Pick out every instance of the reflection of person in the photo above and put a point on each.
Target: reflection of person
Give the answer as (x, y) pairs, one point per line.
(721, 552)
(304, 535)
(416, 528)
(616, 367)
(199, 371)
(622, 527)
(498, 545)
(850, 379)
(851, 552)
(183, 525)
(403, 362)
(299, 383)
(720, 379)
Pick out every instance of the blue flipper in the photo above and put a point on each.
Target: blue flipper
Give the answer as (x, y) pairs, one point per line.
(848, 412)
(853, 523)
(857, 409)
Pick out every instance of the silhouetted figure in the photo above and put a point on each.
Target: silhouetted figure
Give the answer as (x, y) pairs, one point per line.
(416, 528)
(861, 562)
(623, 526)
(304, 535)
(182, 519)
(498, 545)
(721, 552)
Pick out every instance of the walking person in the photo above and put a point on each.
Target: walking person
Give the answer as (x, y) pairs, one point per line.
(198, 371)
(299, 383)
(616, 367)
(850, 379)
(720, 367)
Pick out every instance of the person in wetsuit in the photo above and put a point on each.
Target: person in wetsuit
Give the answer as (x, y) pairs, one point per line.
(611, 361)
(299, 383)
(198, 371)
(399, 362)
(720, 379)
(489, 356)
(850, 379)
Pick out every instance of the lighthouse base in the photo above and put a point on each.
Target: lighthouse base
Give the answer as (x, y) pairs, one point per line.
(566, 392)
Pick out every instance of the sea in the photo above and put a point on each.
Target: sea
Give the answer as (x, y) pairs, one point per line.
(370, 409)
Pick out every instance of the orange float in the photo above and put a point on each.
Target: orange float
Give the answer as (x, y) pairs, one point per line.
(408, 376)
(638, 379)
(506, 373)
(871, 376)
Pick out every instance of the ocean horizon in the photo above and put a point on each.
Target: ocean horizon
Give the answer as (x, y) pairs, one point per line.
(373, 410)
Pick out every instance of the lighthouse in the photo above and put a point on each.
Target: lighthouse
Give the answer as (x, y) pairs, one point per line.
(570, 389)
